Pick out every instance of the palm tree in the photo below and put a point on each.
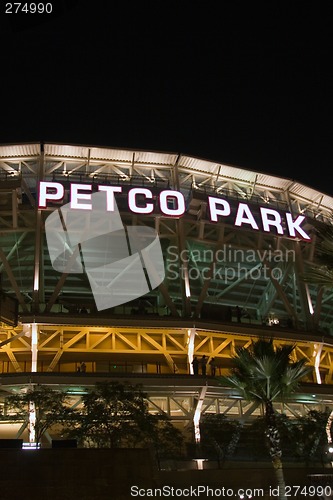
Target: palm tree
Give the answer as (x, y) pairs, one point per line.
(265, 373)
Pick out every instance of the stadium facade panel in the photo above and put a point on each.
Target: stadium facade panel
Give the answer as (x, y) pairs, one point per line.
(235, 245)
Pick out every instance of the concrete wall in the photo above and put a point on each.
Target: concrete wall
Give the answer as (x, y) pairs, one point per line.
(67, 474)
(104, 474)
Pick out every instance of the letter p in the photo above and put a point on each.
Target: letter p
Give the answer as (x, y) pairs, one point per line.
(45, 195)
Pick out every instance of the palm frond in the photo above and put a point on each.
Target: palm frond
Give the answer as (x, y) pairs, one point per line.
(294, 373)
(322, 276)
(262, 347)
(241, 387)
(326, 247)
(264, 372)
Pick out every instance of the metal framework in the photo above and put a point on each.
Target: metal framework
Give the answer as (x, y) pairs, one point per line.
(160, 349)
(184, 399)
(210, 268)
(207, 265)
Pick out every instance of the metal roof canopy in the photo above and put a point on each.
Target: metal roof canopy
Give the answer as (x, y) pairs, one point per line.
(145, 158)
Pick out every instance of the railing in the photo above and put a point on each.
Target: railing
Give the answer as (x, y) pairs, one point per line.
(10, 176)
(111, 179)
(110, 367)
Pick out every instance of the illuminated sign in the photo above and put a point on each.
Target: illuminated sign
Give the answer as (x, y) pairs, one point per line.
(172, 203)
(80, 198)
(269, 218)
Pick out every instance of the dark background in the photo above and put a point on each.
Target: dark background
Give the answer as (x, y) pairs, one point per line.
(245, 83)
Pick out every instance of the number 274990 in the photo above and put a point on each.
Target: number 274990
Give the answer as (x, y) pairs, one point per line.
(28, 8)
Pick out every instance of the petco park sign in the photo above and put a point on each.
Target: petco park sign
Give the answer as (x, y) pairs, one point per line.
(172, 204)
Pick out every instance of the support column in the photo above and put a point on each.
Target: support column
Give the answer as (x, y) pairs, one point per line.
(317, 348)
(197, 414)
(190, 347)
(34, 347)
(183, 266)
(32, 422)
(183, 263)
(304, 294)
(38, 240)
(32, 408)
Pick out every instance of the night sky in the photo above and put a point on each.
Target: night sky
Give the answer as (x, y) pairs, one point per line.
(244, 83)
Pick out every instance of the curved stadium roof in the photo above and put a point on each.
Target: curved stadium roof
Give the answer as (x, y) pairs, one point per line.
(144, 159)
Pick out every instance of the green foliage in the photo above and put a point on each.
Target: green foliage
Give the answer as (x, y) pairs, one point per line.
(313, 439)
(116, 415)
(302, 439)
(50, 407)
(219, 435)
(165, 438)
(289, 434)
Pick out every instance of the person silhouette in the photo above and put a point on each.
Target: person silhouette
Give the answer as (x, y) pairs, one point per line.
(203, 363)
(212, 367)
(195, 365)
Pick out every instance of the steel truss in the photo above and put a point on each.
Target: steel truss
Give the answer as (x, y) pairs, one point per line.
(150, 349)
(179, 398)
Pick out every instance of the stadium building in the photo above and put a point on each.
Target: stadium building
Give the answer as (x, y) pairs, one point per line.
(234, 245)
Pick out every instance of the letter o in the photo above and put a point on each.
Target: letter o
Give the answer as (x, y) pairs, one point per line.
(175, 212)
